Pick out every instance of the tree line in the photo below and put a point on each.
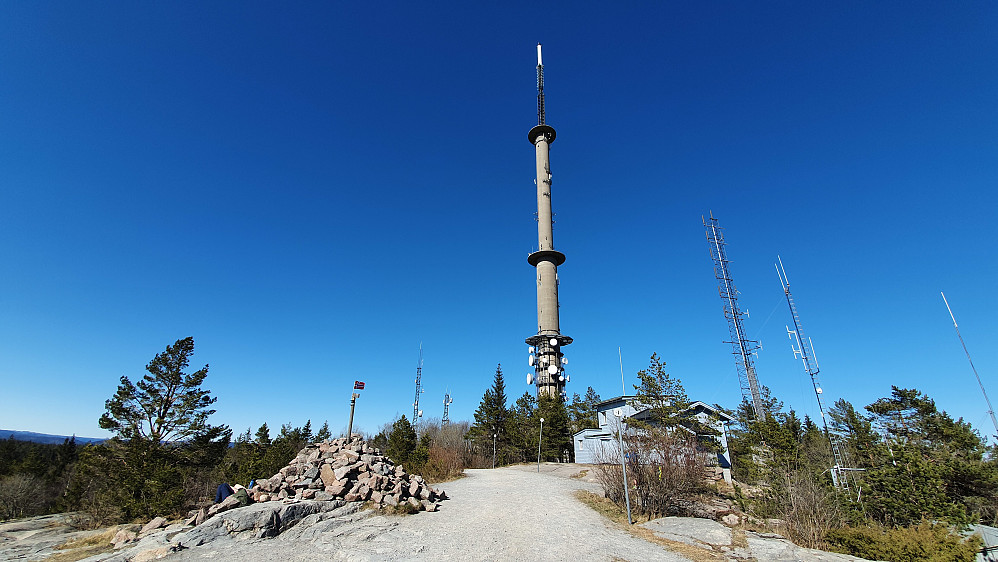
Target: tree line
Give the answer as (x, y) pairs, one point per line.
(165, 457)
(512, 433)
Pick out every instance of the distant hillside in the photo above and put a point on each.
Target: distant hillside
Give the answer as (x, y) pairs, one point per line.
(44, 437)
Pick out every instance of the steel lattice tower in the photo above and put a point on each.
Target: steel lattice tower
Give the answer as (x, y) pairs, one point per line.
(416, 413)
(742, 347)
(447, 402)
(805, 350)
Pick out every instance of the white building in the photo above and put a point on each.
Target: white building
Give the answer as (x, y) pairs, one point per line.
(592, 445)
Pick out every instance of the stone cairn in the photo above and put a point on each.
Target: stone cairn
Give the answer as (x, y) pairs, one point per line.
(351, 470)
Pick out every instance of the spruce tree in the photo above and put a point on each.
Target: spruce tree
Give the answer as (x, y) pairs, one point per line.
(582, 411)
(556, 444)
(263, 434)
(492, 419)
(401, 443)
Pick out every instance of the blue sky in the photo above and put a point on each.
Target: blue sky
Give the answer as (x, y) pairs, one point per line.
(311, 190)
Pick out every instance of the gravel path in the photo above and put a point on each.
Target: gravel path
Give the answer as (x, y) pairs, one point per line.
(511, 513)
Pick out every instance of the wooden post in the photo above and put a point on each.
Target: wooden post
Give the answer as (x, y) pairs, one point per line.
(353, 401)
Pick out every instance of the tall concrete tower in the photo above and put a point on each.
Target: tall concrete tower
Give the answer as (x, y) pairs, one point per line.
(545, 346)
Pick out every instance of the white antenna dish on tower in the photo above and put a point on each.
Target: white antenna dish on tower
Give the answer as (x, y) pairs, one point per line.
(553, 341)
(530, 378)
(552, 369)
(530, 361)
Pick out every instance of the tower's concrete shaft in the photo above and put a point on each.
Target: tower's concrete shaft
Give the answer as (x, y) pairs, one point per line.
(547, 357)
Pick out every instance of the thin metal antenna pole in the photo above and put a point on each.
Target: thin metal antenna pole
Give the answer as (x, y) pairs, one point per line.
(991, 410)
(540, 437)
(623, 389)
(623, 466)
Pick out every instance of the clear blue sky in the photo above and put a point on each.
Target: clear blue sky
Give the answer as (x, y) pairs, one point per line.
(311, 190)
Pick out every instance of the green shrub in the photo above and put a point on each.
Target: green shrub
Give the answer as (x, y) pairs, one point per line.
(925, 542)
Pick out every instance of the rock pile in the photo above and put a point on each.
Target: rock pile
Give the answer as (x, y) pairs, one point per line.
(341, 469)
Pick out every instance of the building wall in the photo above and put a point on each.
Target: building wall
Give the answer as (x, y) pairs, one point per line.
(592, 445)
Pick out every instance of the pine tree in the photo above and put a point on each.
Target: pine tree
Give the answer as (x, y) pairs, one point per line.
(661, 394)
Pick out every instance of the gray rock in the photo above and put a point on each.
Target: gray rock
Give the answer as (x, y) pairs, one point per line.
(342, 472)
(690, 531)
(311, 473)
(259, 520)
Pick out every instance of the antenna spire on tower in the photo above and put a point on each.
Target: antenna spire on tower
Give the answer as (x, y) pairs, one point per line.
(540, 87)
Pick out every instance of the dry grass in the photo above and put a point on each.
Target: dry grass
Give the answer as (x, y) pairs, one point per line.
(84, 547)
(618, 516)
(580, 474)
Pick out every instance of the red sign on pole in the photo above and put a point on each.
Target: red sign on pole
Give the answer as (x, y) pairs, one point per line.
(358, 385)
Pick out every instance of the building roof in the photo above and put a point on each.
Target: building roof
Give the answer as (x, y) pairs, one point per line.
(693, 406)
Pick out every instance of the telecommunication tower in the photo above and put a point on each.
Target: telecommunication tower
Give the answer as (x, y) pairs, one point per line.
(803, 348)
(416, 412)
(742, 347)
(447, 402)
(545, 346)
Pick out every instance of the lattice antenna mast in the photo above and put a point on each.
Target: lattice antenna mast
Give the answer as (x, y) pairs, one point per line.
(803, 348)
(991, 410)
(447, 402)
(416, 412)
(742, 347)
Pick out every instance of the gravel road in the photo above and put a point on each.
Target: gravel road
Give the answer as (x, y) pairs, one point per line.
(511, 513)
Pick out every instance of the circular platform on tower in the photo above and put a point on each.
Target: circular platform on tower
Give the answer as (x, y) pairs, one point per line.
(546, 130)
(552, 256)
(539, 340)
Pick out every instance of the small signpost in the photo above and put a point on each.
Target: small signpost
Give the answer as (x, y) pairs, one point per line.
(357, 385)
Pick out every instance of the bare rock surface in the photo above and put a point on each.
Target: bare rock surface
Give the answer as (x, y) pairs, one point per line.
(504, 514)
(512, 513)
(33, 538)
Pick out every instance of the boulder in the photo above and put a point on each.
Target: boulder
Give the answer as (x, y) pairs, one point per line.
(342, 472)
(151, 526)
(326, 475)
(123, 537)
